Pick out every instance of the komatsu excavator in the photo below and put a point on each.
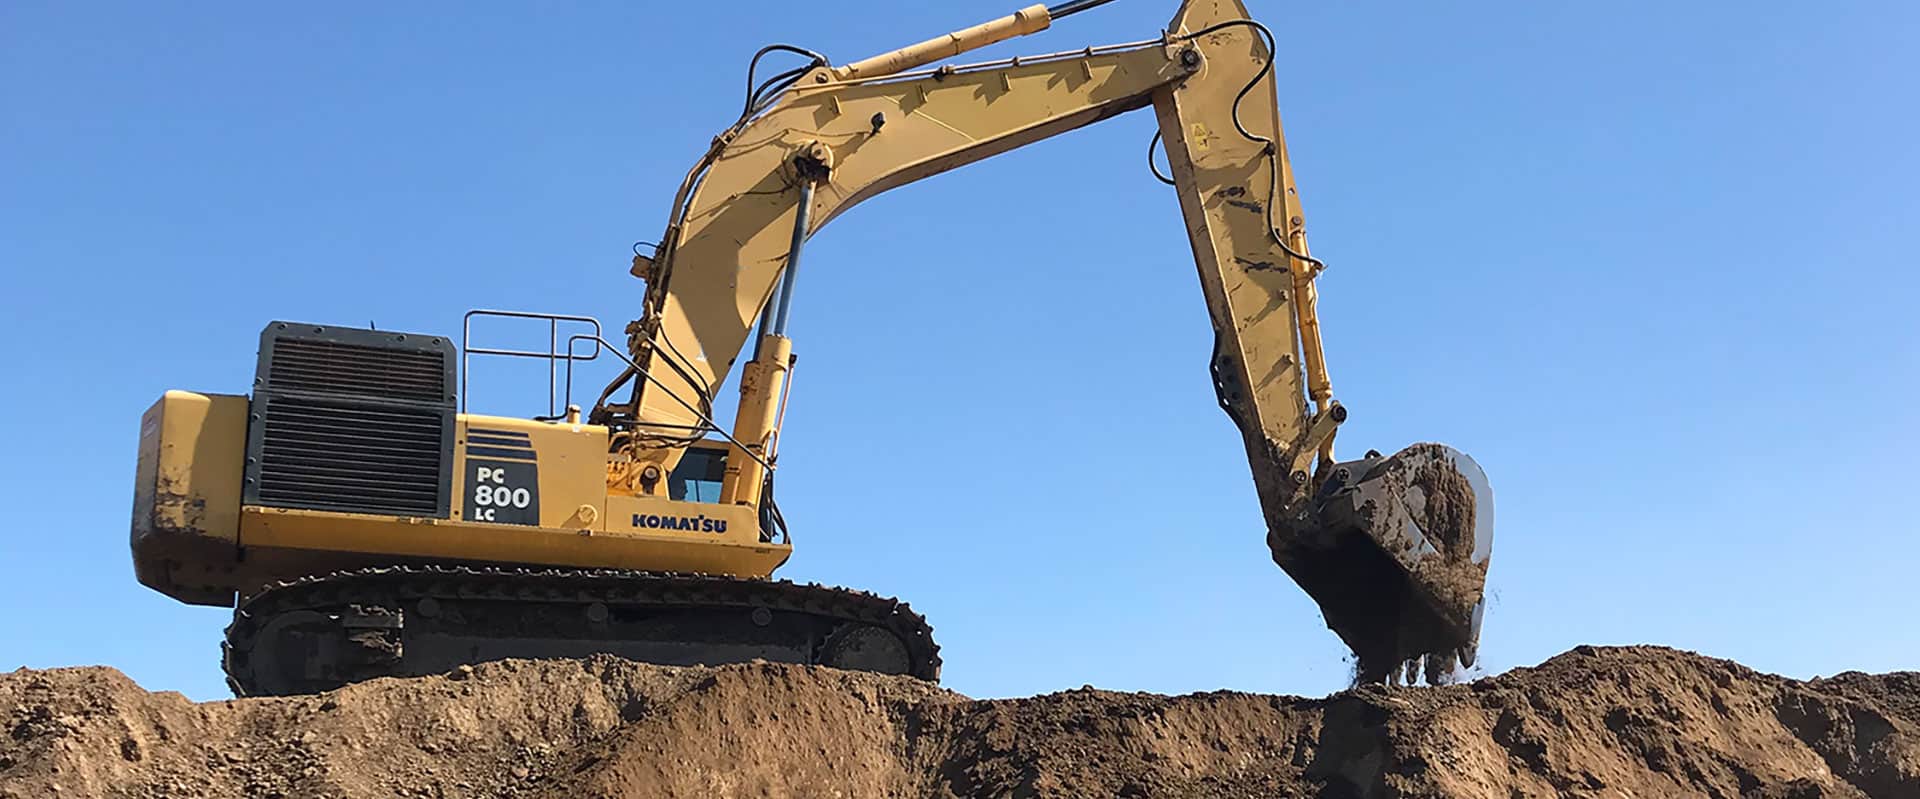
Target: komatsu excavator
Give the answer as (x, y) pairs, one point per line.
(361, 525)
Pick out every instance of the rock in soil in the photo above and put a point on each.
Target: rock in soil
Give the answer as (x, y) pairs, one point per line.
(1594, 722)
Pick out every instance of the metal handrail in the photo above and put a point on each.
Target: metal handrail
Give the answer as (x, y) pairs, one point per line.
(553, 353)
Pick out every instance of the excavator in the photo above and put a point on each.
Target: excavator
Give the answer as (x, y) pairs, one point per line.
(361, 524)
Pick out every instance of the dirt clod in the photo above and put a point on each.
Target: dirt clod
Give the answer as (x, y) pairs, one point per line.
(1594, 722)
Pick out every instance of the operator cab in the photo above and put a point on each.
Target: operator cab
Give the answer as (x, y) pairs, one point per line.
(697, 478)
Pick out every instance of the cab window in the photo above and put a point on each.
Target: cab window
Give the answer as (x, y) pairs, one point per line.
(697, 478)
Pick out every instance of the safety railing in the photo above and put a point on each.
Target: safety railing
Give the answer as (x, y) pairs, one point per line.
(559, 393)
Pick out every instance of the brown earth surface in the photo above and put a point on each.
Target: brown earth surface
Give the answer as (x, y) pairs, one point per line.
(1594, 722)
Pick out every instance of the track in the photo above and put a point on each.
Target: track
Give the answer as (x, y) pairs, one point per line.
(318, 633)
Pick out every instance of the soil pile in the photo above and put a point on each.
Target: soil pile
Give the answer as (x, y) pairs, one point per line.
(1595, 722)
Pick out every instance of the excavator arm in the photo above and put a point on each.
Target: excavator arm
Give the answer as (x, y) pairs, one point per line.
(1394, 549)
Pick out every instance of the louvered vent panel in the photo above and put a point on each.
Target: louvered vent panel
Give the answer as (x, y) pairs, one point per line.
(338, 368)
(331, 456)
(352, 420)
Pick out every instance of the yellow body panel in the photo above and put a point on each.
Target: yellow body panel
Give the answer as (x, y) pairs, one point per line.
(279, 534)
(572, 460)
(579, 523)
(194, 539)
(186, 500)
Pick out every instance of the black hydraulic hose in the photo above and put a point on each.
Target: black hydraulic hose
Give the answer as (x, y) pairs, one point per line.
(754, 64)
(1154, 144)
(1271, 147)
(773, 86)
(1073, 7)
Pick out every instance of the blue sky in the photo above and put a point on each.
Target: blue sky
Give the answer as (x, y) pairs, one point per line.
(1650, 263)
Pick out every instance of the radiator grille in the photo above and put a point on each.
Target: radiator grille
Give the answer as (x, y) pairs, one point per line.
(351, 420)
(333, 456)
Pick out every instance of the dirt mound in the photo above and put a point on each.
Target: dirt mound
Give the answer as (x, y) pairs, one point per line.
(1595, 722)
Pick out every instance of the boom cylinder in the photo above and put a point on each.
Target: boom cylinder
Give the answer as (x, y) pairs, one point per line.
(763, 380)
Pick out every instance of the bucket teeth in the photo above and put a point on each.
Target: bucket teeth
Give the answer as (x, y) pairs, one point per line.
(1395, 551)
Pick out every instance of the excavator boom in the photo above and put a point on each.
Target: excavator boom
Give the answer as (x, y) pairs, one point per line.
(1356, 535)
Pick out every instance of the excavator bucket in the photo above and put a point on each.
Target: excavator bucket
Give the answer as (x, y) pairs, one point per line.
(1395, 550)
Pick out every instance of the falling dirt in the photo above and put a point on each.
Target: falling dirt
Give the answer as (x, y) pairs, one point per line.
(1594, 722)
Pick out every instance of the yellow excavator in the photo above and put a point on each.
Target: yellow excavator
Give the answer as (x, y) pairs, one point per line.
(361, 525)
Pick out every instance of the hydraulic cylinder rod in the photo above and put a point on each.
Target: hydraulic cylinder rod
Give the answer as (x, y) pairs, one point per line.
(773, 318)
(1074, 7)
(803, 217)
